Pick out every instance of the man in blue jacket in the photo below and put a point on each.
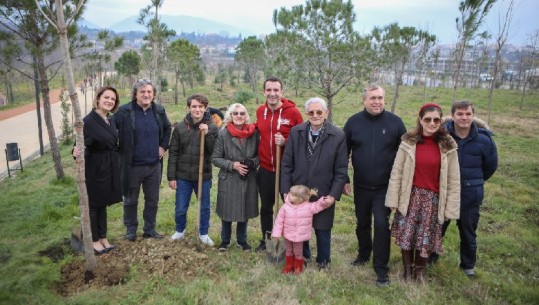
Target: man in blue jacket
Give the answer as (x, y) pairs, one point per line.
(478, 160)
(143, 135)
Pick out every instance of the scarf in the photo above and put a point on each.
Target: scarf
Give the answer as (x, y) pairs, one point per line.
(311, 145)
(245, 132)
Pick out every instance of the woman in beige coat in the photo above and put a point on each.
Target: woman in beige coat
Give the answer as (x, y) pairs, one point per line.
(424, 190)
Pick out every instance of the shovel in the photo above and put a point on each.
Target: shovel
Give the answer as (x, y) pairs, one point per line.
(275, 248)
(199, 193)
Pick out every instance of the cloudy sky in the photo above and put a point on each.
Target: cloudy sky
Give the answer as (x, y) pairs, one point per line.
(437, 16)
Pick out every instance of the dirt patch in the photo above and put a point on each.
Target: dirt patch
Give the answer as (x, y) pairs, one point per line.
(54, 252)
(171, 261)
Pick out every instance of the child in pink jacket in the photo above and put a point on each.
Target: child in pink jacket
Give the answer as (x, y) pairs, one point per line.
(295, 222)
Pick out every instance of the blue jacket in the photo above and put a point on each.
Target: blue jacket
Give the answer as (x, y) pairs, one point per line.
(478, 160)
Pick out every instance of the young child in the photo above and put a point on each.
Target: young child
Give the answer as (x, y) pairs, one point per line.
(295, 222)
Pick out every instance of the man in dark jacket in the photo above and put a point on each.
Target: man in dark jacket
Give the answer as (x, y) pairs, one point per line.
(316, 156)
(478, 160)
(144, 133)
(373, 137)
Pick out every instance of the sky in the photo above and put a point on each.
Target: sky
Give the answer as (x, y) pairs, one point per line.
(436, 16)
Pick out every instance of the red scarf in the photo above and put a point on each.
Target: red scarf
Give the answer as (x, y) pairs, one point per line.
(245, 132)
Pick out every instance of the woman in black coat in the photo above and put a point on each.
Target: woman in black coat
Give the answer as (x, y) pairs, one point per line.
(102, 164)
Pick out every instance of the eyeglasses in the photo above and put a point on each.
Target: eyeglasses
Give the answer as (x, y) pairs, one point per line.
(238, 113)
(317, 112)
(427, 120)
(374, 98)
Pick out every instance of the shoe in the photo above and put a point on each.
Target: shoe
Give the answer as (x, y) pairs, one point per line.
(178, 235)
(99, 252)
(153, 234)
(360, 261)
(244, 246)
(470, 273)
(131, 236)
(205, 239)
(112, 247)
(298, 266)
(382, 283)
(433, 259)
(289, 264)
(261, 247)
(322, 266)
(223, 247)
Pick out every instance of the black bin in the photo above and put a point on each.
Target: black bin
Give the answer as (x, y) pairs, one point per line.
(12, 150)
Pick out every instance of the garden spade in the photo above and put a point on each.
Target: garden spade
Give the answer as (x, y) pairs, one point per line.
(275, 247)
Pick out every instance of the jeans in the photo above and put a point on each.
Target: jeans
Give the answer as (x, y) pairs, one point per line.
(323, 247)
(149, 176)
(226, 232)
(184, 189)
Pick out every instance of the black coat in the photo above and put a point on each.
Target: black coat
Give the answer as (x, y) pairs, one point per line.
(102, 164)
(327, 171)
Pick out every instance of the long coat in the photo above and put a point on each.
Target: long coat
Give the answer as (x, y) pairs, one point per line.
(402, 177)
(327, 171)
(102, 163)
(237, 198)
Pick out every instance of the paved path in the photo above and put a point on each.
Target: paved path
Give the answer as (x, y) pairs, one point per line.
(20, 126)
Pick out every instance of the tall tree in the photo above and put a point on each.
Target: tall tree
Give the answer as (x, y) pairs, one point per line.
(251, 56)
(58, 21)
(20, 21)
(320, 40)
(185, 59)
(396, 47)
(472, 15)
(102, 53)
(532, 60)
(128, 64)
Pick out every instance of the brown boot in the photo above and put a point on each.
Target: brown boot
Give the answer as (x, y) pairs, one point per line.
(407, 263)
(419, 270)
(289, 264)
(298, 266)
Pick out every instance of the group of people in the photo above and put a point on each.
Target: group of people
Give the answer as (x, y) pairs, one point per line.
(426, 176)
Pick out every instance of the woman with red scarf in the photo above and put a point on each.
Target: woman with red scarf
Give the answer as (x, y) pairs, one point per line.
(236, 154)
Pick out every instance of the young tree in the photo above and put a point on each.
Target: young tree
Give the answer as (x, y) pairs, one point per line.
(103, 55)
(251, 56)
(320, 41)
(533, 58)
(472, 14)
(128, 64)
(396, 48)
(185, 59)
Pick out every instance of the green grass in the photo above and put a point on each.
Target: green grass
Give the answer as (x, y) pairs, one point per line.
(37, 212)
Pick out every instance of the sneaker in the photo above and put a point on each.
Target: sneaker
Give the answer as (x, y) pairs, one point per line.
(205, 239)
(223, 247)
(178, 235)
(244, 246)
(360, 261)
(261, 247)
(131, 235)
(470, 273)
(153, 234)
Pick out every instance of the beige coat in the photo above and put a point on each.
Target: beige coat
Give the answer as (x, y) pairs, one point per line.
(402, 177)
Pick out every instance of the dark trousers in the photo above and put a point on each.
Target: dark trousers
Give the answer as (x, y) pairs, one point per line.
(98, 223)
(266, 189)
(226, 231)
(370, 204)
(149, 176)
(467, 225)
(323, 247)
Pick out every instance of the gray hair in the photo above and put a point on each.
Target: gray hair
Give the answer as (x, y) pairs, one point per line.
(372, 87)
(141, 83)
(232, 108)
(315, 100)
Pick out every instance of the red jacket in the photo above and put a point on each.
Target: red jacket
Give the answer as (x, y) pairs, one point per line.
(269, 122)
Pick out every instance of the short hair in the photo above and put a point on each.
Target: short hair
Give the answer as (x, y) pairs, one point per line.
(199, 98)
(315, 100)
(461, 105)
(372, 87)
(232, 108)
(272, 79)
(141, 83)
(100, 93)
(302, 192)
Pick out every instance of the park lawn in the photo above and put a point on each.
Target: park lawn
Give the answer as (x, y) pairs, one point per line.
(37, 212)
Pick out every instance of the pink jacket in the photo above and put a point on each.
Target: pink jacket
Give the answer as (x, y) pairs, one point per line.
(295, 222)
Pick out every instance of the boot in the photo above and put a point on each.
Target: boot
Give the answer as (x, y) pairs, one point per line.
(289, 264)
(407, 263)
(298, 266)
(419, 270)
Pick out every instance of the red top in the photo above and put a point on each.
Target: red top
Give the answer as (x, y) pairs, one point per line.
(427, 165)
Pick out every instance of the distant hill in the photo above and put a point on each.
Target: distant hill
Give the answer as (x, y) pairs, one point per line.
(85, 23)
(182, 23)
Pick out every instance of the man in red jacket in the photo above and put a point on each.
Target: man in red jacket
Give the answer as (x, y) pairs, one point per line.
(274, 120)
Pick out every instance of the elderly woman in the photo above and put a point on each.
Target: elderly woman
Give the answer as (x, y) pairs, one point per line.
(236, 154)
(424, 190)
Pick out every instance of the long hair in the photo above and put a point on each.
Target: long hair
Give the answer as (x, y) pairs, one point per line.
(417, 132)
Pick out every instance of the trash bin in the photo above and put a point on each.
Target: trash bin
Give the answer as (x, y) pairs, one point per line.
(12, 151)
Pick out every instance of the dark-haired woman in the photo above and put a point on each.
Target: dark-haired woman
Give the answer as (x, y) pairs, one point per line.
(424, 190)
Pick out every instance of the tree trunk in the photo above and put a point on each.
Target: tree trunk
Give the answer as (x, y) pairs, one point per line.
(80, 168)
